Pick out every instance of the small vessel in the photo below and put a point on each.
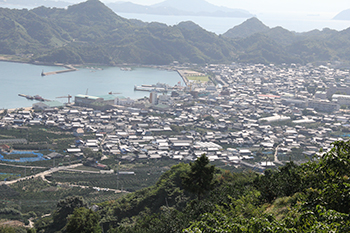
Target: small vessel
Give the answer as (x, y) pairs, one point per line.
(38, 97)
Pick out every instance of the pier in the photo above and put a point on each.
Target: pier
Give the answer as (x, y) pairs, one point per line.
(182, 73)
(70, 68)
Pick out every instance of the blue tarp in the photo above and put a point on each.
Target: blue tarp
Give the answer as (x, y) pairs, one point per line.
(39, 157)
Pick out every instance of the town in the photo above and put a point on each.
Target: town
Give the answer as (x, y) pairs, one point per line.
(244, 116)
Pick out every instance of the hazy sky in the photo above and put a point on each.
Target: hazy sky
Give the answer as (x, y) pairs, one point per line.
(261, 6)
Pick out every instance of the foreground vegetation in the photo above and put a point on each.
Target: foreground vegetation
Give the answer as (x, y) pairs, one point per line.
(313, 197)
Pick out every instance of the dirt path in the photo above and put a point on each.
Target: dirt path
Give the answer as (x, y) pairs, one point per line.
(42, 174)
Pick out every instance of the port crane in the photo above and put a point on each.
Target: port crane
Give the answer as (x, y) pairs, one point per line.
(68, 97)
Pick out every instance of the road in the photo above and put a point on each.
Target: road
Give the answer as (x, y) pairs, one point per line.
(42, 174)
(275, 155)
(56, 169)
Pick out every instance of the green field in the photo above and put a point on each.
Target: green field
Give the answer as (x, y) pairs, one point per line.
(198, 78)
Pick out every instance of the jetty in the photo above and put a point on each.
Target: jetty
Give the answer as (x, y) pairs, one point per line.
(182, 73)
(35, 97)
(70, 68)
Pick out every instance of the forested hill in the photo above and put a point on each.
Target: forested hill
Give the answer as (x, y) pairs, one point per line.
(197, 197)
(90, 32)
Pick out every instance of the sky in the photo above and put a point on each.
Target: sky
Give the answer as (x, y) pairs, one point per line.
(268, 6)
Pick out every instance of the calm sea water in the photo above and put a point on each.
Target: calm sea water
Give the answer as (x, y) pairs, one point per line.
(295, 21)
(19, 78)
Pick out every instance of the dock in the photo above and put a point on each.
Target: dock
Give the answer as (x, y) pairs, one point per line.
(70, 68)
(35, 97)
(183, 76)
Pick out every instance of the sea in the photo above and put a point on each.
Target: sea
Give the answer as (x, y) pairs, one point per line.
(292, 21)
(21, 78)
(18, 78)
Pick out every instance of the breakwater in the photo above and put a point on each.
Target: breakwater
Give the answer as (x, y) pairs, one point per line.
(70, 68)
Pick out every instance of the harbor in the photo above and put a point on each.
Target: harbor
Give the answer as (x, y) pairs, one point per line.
(25, 79)
(70, 68)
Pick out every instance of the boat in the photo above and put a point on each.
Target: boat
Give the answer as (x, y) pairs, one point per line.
(38, 97)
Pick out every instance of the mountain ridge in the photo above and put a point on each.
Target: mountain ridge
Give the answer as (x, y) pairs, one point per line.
(90, 32)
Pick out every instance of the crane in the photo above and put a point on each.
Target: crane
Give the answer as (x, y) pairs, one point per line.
(68, 97)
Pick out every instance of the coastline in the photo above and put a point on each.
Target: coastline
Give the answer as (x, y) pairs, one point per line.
(26, 79)
(163, 67)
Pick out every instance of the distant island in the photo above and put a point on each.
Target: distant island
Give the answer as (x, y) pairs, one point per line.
(180, 7)
(36, 3)
(91, 33)
(168, 7)
(344, 15)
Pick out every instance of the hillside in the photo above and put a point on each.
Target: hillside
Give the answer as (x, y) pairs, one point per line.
(313, 197)
(90, 32)
(313, 46)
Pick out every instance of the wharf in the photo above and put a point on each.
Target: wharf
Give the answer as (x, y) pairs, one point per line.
(183, 76)
(70, 68)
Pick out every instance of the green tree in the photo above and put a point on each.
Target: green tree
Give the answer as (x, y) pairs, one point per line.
(200, 178)
(332, 186)
(66, 207)
(7, 229)
(31, 230)
(88, 153)
(84, 220)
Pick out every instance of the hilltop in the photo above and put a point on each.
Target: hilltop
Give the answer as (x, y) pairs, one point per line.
(307, 198)
(90, 32)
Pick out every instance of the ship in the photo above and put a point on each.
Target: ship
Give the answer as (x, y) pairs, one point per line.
(38, 97)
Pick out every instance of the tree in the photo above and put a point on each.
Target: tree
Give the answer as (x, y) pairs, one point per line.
(66, 207)
(84, 220)
(88, 153)
(333, 176)
(200, 178)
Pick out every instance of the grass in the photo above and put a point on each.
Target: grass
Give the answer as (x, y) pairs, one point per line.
(41, 197)
(198, 78)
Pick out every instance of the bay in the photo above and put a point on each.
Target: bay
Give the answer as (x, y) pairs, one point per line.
(20, 78)
(292, 21)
